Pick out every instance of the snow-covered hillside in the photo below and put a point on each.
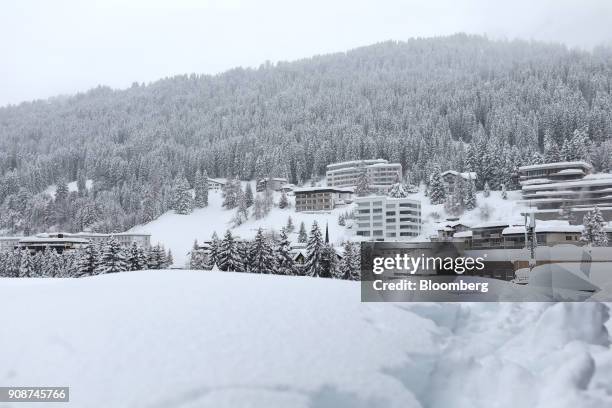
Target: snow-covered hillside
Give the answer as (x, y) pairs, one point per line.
(178, 232)
(205, 339)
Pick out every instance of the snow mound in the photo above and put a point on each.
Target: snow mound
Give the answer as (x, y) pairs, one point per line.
(214, 339)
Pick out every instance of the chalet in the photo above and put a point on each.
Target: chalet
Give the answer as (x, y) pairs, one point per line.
(216, 184)
(450, 178)
(273, 183)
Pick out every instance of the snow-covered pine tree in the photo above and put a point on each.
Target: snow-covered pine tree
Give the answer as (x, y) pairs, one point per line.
(285, 262)
(112, 258)
(470, 195)
(242, 211)
(329, 261)
(284, 202)
(397, 191)
(259, 210)
(289, 227)
(594, 233)
(196, 257)
(486, 192)
(567, 213)
(133, 260)
(213, 253)
(200, 190)
(87, 261)
(229, 258)
(314, 252)
(230, 193)
(437, 189)
(243, 253)
(302, 236)
(350, 265)
(169, 259)
(248, 195)
(261, 256)
(362, 188)
(183, 201)
(504, 193)
(341, 220)
(27, 268)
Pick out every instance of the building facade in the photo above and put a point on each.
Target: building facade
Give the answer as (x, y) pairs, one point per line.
(321, 198)
(451, 177)
(215, 184)
(569, 186)
(381, 174)
(273, 183)
(382, 218)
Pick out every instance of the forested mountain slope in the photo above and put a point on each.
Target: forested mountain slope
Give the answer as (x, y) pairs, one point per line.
(464, 102)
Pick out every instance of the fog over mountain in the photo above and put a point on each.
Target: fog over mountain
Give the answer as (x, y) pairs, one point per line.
(463, 102)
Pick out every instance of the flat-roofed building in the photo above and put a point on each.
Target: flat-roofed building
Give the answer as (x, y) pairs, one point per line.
(9, 243)
(381, 174)
(321, 198)
(216, 184)
(551, 187)
(382, 218)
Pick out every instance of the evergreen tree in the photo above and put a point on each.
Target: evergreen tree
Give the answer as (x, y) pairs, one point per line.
(504, 193)
(302, 236)
(284, 202)
(487, 191)
(27, 268)
(229, 259)
(314, 252)
(135, 261)
(289, 227)
(87, 261)
(470, 195)
(112, 258)
(329, 261)
(248, 195)
(213, 254)
(169, 259)
(230, 193)
(350, 265)
(286, 264)
(341, 220)
(183, 201)
(437, 189)
(594, 233)
(397, 191)
(363, 185)
(197, 259)
(261, 256)
(200, 190)
(242, 211)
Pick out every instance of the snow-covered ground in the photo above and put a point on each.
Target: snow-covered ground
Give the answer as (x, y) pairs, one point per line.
(178, 232)
(72, 186)
(213, 339)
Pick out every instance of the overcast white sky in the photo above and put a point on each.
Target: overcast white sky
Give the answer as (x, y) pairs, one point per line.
(64, 46)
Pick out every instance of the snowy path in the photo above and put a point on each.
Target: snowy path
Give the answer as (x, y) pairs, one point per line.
(202, 339)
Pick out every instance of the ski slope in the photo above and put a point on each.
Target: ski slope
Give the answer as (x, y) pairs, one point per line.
(213, 339)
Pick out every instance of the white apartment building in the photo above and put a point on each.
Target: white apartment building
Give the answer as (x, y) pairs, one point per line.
(321, 198)
(382, 218)
(381, 173)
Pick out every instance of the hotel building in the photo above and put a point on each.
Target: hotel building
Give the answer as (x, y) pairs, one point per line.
(381, 173)
(381, 218)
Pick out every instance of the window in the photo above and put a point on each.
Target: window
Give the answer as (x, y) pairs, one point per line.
(390, 212)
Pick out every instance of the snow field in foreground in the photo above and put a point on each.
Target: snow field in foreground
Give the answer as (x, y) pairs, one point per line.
(206, 339)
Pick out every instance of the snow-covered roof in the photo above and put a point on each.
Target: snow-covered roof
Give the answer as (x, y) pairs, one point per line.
(570, 171)
(555, 165)
(520, 229)
(322, 190)
(355, 162)
(463, 234)
(585, 182)
(38, 240)
(470, 175)
(385, 165)
(217, 181)
(493, 224)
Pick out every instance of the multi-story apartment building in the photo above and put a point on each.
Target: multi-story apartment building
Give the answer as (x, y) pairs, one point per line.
(381, 218)
(451, 177)
(381, 174)
(321, 198)
(552, 186)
